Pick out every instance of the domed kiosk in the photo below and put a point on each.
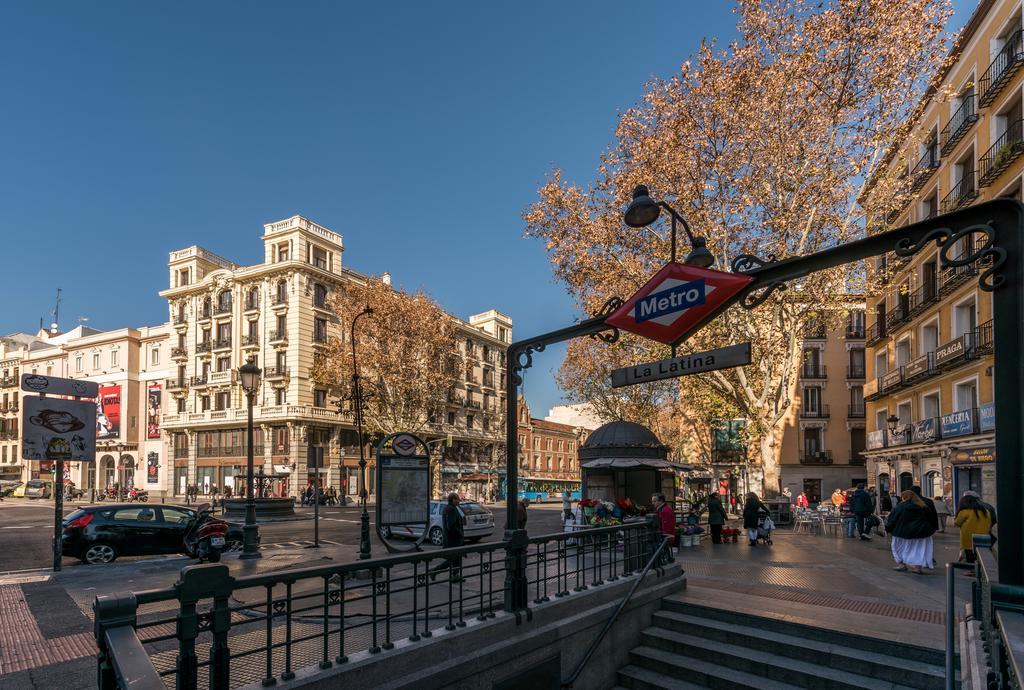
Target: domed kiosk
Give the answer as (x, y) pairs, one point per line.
(624, 459)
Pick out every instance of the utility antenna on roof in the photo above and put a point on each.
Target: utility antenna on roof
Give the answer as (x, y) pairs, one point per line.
(82, 320)
(56, 313)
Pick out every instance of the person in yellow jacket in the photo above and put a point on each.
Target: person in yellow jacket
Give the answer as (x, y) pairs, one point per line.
(972, 518)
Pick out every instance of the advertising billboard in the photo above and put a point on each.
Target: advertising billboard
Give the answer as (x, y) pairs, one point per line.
(108, 412)
(57, 429)
(152, 466)
(153, 406)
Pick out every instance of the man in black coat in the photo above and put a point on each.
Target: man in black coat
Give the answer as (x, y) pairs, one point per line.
(453, 529)
(929, 505)
(862, 506)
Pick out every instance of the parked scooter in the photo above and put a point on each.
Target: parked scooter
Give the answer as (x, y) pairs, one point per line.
(206, 537)
(140, 495)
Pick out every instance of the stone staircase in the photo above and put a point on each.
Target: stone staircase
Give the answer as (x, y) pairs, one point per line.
(691, 645)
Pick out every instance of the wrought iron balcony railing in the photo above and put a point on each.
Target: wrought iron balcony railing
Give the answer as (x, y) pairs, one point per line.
(855, 411)
(817, 457)
(1002, 68)
(818, 411)
(962, 193)
(813, 371)
(959, 123)
(1006, 149)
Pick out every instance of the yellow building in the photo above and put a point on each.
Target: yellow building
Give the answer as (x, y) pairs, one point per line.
(930, 364)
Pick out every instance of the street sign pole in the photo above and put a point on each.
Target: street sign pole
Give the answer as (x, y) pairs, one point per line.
(58, 512)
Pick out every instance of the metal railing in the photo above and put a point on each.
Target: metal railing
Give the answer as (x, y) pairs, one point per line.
(855, 411)
(204, 346)
(857, 457)
(226, 451)
(222, 309)
(926, 166)
(818, 411)
(856, 371)
(962, 192)
(263, 627)
(278, 334)
(251, 304)
(222, 343)
(275, 372)
(1003, 66)
(999, 610)
(181, 452)
(959, 123)
(855, 332)
(1006, 149)
(876, 332)
(176, 384)
(250, 340)
(813, 371)
(818, 457)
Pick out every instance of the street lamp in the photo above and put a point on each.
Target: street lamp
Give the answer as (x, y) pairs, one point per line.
(364, 518)
(644, 210)
(893, 421)
(249, 374)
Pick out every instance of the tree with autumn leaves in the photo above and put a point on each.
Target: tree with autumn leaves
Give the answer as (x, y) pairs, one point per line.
(407, 351)
(766, 146)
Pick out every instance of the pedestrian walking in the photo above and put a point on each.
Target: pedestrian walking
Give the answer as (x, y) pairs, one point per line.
(453, 530)
(801, 500)
(666, 517)
(991, 513)
(716, 517)
(942, 510)
(521, 512)
(862, 507)
(911, 527)
(566, 506)
(751, 508)
(971, 518)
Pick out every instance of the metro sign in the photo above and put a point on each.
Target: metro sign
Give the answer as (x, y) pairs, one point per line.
(677, 298)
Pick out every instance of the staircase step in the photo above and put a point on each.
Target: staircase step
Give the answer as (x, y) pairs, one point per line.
(822, 651)
(762, 664)
(705, 674)
(773, 626)
(639, 678)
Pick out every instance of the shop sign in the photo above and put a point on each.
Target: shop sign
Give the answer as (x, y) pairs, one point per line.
(957, 423)
(923, 430)
(971, 456)
(874, 440)
(152, 465)
(892, 379)
(901, 436)
(987, 417)
(721, 358)
(870, 387)
(953, 350)
(917, 367)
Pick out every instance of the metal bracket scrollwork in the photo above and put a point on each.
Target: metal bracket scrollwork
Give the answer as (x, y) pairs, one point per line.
(612, 334)
(745, 263)
(754, 299)
(989, 280)
(939, 235)
(524, 360)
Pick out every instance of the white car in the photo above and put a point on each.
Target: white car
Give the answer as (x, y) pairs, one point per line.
(479, 523)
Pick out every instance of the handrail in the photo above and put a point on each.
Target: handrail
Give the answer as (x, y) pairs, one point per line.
(567, 683)
(951, 569)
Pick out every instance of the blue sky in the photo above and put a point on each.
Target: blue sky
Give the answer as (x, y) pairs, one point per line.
(419, 131)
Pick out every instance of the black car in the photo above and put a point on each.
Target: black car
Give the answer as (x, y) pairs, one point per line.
(99, 534)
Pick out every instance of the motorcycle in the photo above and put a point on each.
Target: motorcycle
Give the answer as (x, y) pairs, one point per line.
(140, 495)
(108, 494)
(206, 538)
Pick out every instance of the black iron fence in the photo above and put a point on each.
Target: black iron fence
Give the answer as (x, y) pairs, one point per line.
(1003, 66)
(1006, 149)
(959, 123)
(220, 631)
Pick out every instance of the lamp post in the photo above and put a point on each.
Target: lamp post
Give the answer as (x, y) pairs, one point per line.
(249, 374)
(364, 518)
(893, 421)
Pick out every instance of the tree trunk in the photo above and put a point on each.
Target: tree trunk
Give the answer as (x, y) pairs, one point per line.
(770, 451)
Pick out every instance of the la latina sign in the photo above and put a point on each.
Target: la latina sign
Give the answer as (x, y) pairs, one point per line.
(721, 358)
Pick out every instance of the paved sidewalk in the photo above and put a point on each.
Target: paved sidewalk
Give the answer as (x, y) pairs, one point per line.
(828, 581)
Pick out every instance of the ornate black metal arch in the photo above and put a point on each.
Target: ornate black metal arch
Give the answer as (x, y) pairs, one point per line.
(1000, 222)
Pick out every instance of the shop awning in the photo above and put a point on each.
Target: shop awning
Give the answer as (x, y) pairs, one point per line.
(549, 479)
(628, 463)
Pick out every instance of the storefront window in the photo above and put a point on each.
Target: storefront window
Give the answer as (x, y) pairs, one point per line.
(932, 485)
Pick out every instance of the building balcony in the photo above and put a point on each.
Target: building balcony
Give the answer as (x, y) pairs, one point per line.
(275, 373)
(818, 457)
(923, 297)
(219, 378)
(855, 372)
(250, 342)
(855, 411)
(278, 300)
(181, 453)
(815, 330)
(815, 412)
(179, 353)
(222, 309)
(875, 333)
(251, 305)
(920, 368)
(278, 336)
(1006, 149)
(226, 451)
(856, 457)
(222, 344)
(204, 315)
(925, 167)
(200, 381)
(872, 389)
(180, 320)
(959, 124)
(963, 192)
(9, 381)
(855, 332)
(899, 314)
(813, 371)
(176, 384)
(1004, 65)
(204, 347)
(321, 304)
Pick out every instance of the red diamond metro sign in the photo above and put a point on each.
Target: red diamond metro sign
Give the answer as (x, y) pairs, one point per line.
(675, 300)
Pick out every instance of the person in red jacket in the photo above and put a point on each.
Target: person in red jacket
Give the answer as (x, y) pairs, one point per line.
(666, 517)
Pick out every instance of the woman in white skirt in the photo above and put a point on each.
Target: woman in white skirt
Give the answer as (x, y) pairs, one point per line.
(911, 527)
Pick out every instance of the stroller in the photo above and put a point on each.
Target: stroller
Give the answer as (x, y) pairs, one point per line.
(764, 527)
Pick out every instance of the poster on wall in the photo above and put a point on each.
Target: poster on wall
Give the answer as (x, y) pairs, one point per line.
(153, 400)
(108, 412)
(152, 464)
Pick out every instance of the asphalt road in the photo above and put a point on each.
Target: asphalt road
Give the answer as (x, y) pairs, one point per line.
(26, 529)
